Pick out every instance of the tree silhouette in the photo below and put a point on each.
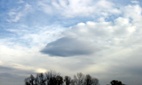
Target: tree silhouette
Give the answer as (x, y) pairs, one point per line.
(59, 80)
(29, 80)
(79, 79)
(95, 81)
(88, 80)
(53, 78)
(32, 79)
(116, 82)
(40, 79)
(91, 81)
(67, 80)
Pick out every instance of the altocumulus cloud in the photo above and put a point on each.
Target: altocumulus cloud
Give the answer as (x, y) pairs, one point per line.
(93, 37)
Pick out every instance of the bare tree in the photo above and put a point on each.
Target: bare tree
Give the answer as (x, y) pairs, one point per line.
(67, 80)
(116, 82)
(95, 81)
(40, 79)
(79, 79)
(53, 78)
(30, 80)
(88, 80)
(73, 82)
(91, 81)
(59, 80)
(27, 81)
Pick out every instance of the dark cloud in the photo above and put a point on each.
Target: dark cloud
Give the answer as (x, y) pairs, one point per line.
(11, 70)
(12, 76)
(67, 46)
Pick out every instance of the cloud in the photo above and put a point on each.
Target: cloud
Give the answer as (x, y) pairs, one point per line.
(79, 8)
(82, 39)
(67, 46)
(17, 13)
(90, 37)
(94, 37)
(11, 75)
(117, 66)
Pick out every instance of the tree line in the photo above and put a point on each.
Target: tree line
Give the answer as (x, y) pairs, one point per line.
(53, 78)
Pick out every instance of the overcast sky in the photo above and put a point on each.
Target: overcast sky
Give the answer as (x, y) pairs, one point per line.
(98, 37)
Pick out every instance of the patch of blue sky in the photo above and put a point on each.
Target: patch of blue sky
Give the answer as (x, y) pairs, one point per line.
(39, 18)
(8, 30)
(15, 36)
(139, 2)
(68, 22)
(127, 2)
(6, 5)
(3, 14)
(3, 17)
(21, 42)
(111, 18)
(6, 34)
(121, 2)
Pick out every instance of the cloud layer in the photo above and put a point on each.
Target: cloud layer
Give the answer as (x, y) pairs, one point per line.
(98, 37)
(92, 37)
(68, 47)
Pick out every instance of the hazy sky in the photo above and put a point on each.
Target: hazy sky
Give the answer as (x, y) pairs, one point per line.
(99, 37)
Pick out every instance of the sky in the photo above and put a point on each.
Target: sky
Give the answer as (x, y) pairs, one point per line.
(102, 38)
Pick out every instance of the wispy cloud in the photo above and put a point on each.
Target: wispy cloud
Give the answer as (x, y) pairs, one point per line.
(79, 8)
(17, 13)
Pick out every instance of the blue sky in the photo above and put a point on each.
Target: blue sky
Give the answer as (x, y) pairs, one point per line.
(99, 37)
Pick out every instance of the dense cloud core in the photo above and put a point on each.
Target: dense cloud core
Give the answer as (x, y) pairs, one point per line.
(68, 47)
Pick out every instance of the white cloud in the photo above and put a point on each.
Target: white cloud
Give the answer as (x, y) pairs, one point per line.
(43, 35)
(102, 35)
(16, 54)
(79, 8)
(135, 1)
(134, 12)
(21, 1)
